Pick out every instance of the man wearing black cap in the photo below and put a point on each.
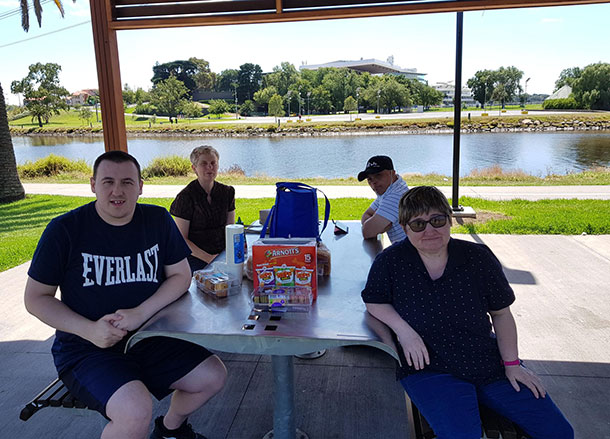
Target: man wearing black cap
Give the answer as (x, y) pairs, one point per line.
(382, 214)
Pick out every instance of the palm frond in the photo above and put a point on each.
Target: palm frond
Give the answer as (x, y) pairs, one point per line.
(61, 7)
(25, 15)
(38, 11)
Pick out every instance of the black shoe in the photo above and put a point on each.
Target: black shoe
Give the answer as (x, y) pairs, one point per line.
(185, 431)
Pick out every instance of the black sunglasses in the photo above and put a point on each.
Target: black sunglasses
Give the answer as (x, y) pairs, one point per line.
(436, 221)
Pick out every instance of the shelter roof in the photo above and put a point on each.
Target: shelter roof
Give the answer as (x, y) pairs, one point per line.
(137, 14)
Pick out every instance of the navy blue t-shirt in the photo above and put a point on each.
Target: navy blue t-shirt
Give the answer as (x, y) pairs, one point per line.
(450, 313)
(100, 268)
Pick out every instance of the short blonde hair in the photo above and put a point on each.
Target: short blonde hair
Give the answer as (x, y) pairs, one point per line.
(202, 150)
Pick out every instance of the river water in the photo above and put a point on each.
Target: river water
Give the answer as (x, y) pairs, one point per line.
(342, 156)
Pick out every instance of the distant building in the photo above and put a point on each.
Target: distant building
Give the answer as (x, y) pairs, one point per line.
(206, 95)
(563, 93)
(448, 91)
(81, 97)
(373, 66)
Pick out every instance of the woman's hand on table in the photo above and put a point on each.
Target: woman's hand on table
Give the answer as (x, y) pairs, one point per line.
(414, 348)
(519, 374)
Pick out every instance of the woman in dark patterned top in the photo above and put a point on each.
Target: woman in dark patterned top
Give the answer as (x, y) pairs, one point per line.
(203, 208)
(448, 302)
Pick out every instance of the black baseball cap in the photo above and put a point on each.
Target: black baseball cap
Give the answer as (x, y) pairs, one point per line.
(376, 164)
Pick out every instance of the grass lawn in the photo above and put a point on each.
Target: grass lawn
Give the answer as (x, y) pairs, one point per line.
(22, 222)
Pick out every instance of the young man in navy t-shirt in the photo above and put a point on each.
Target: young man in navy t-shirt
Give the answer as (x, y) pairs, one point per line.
(116, 263)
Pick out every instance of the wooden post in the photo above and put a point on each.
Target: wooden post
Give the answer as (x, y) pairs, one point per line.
(108, 76)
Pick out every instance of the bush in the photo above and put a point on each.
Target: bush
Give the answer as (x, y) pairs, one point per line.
(145, 109)
(171, 166)
(15, 113)
(53, 165)
(235, 170)
(560, 104)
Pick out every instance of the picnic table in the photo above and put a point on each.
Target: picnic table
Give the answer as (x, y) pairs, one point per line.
(337, 318)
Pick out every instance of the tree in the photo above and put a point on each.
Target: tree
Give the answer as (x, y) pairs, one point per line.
(43, 95)
(350, 105)
(184, 71)
(510, 79)
(484, 82)
(249, 79)
(129, 95)
(247, 108)
(218, 107)
(190, 109)
(394, 94)
(482, 86)
(282, 77)
(85, 114)
(262, 96)
(592, 88)
(429, 96)
(204, 78)
(341, 83)
(168, 96)
(11, 188)
(276, 106)
(567, 77)
(320, 100)
(226, 79)
(500, 94)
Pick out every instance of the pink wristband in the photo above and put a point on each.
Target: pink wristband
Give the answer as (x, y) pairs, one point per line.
(516, 362)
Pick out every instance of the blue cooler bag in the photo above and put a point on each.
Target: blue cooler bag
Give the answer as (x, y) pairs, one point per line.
(295, 213)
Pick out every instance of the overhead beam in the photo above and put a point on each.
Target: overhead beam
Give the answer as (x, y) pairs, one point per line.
(304, 12)
(108, 76)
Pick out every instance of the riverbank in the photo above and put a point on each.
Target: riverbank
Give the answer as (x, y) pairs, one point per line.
(50, 172)
(316, 126)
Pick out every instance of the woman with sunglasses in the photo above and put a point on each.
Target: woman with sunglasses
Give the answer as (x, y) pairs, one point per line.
(448, 302)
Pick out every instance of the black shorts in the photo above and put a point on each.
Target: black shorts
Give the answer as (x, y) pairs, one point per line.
(157, 361)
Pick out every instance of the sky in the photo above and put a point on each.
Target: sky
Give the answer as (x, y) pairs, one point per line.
(539, 41)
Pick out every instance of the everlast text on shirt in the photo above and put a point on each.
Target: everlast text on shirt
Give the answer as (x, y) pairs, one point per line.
(114, 270)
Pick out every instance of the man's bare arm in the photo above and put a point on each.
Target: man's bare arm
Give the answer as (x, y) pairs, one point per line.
(177, 281)
(373, 224)
(41, 302)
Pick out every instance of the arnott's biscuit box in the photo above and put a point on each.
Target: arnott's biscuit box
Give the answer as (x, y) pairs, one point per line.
(285, 262)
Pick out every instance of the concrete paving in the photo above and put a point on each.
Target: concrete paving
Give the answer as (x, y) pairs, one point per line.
(562, 313)
(268, 191)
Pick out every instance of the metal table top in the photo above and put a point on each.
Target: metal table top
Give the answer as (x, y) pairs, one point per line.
(337, 318)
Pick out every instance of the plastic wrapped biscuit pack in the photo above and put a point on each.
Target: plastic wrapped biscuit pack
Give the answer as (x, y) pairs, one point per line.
(282, 299)
(216, 283)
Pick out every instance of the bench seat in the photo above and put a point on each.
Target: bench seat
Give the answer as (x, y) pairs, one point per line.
(494, 426)
(54, 395)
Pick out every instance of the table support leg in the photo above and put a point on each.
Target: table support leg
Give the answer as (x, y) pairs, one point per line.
(283, 400)
(283, 396)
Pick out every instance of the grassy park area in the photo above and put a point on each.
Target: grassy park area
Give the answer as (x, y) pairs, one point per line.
(441, 118)
(22, 222)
